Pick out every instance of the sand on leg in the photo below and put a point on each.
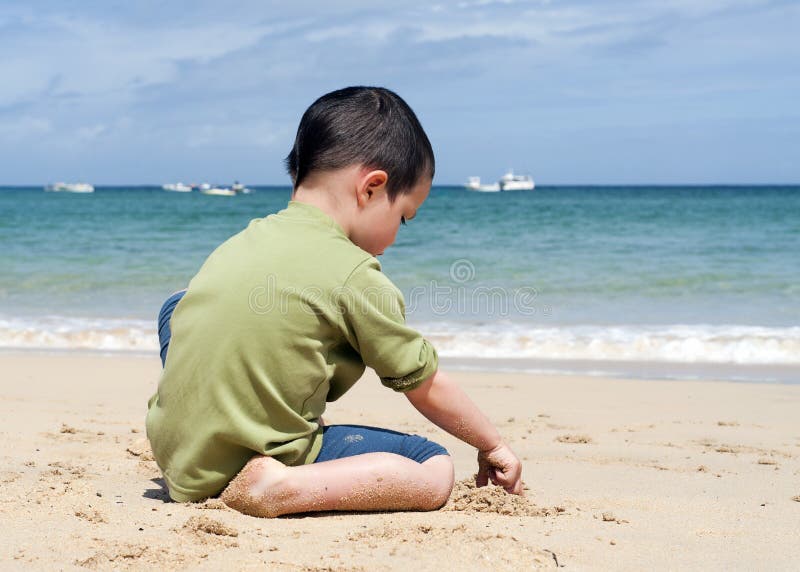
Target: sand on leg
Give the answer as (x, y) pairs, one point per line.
(373, 481)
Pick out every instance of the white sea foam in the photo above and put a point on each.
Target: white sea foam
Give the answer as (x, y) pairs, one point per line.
(68, 333)
(733, 344)
(670, 343)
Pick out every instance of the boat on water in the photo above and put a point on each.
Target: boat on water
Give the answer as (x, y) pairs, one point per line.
(474, 184)
(240, 188)
(512, 182)
(177, 188)
(508, 182)
(236, 189)
(69, 188)
(219, 191)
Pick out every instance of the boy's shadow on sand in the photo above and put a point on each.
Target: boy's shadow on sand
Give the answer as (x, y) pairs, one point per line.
(160, 493)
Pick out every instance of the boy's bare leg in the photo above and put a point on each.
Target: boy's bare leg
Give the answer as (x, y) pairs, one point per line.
(373, 481)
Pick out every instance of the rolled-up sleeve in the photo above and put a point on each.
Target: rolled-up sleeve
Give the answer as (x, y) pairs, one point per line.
(373, 313)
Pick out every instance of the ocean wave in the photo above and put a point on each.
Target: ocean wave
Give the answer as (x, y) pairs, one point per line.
(700, 343)
(69, 333)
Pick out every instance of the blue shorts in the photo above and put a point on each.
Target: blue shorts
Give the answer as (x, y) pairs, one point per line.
(338, 441)
(164, 315)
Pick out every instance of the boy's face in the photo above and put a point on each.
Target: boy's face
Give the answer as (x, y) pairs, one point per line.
(379, 219)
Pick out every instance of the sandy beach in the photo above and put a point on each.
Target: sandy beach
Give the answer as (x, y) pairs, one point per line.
(621, 474)
(588, 209)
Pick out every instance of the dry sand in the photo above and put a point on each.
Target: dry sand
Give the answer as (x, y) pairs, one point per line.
(621, 474)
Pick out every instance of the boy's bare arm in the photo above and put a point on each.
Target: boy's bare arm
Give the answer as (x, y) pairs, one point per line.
(443, 402)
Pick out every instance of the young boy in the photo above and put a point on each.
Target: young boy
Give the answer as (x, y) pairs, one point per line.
(284, 316)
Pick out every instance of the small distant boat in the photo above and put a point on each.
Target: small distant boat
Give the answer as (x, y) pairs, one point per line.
(240, 188)
(508, 182)
(474, 184)
(177, 188)
(219, 191)
(235, 189)
(70, 188)
(512, 182)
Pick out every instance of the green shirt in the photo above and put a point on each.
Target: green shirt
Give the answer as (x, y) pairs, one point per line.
(280, 319)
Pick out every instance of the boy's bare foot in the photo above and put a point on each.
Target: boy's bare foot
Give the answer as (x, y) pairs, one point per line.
(260, 489)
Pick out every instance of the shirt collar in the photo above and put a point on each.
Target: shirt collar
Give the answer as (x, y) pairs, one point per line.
(308, 211)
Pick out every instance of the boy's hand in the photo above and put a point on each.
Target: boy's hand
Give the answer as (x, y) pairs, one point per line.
(502, 466)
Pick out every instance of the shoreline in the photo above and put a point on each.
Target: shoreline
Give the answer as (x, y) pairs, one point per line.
(655, 475)
(639, 370)
(759, 374)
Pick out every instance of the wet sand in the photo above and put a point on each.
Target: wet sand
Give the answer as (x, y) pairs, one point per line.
(621, 474)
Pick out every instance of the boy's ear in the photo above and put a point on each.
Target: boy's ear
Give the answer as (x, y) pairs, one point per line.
(370, 183)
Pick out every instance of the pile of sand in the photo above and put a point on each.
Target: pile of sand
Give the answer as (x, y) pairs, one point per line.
(210, 526)
(211, 504)
(467, 497)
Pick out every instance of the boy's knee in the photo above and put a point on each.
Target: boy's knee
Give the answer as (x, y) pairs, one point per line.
(443, 480)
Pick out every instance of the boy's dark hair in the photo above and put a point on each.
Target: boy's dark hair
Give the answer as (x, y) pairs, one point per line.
(370, 126)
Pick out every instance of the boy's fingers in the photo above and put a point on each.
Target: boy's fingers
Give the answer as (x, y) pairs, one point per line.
(511, 481)
(501, 472)
(482, 478)
(505, 480)
(513, 486)
(517, 488)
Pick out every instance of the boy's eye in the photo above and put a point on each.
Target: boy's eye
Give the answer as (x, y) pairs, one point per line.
(403, 220)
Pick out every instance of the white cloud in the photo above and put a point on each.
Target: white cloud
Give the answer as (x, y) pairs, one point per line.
(255, 134)
(375, 31)
(551, 24)
(483, 3)
(93, 57)
(85, 56)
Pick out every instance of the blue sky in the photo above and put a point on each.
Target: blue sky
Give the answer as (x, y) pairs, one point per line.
(670, 91)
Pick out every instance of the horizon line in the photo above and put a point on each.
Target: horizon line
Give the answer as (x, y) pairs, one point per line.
(462, 185)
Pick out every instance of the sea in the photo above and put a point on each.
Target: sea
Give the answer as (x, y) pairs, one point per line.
(653, 282)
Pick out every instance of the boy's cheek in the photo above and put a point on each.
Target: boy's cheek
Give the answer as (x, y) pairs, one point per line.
(377, 238)
(388, 234)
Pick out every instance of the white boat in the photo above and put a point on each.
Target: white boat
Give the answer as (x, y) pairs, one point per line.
(240, 188)
(219, 191)
(474, 184)
(508, 182)
(70, 188)
(177, 188)
(512, 182)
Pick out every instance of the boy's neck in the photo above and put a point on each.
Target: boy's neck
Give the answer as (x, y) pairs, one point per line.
(333, 195)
